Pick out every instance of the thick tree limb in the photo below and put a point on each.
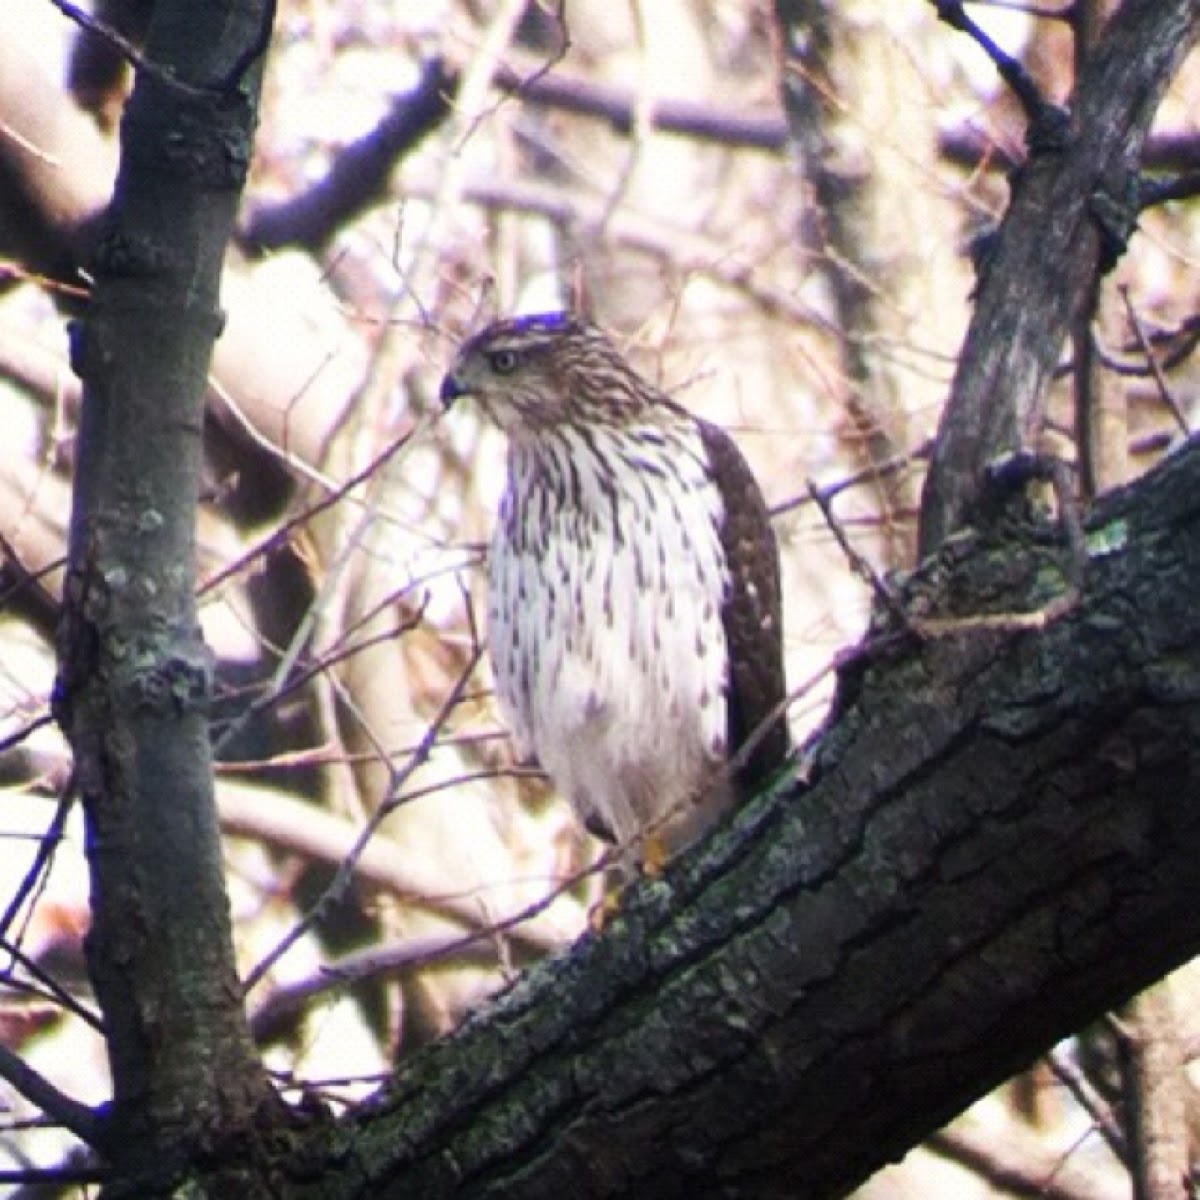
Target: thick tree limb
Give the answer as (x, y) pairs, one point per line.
(1000, 845)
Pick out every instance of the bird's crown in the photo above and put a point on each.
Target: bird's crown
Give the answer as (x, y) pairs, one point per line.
(527, 333)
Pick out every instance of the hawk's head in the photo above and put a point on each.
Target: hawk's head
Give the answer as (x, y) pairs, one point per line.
(537, 372)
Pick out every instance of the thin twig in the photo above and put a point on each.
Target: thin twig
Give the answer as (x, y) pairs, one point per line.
(1078, 1084)
(279, 537)
(293, 681)
(125, 48)
(47, 845)
(16, 738)
(1062, 13)
(858, 564)
(81, 1120)
(868, 474)
(49, 988)
(1164, 390)
(617, 106)
(383, 959)
(345, 872)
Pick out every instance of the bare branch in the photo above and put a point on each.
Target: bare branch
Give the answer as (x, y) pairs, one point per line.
(359, 174)
(1042, 269)
(38, 1090)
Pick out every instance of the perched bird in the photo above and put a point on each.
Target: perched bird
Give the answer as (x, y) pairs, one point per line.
(634, 601)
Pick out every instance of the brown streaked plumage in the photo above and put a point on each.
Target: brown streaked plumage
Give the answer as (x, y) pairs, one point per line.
(634, 605)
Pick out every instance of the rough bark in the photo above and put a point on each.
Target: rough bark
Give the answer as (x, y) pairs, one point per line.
(1057, 234)
(999, 845)
(134, 673)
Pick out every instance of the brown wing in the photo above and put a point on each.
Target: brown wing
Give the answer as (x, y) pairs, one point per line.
(752, 613)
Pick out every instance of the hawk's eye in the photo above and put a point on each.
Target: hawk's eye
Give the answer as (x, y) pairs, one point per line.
(503, 362)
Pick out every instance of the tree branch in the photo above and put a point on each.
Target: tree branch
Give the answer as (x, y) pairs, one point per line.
(999, 845)
(1019, 1163)
(134, 675)
(38, 1090)
(1155, 1087)
(1048, 251)
(360, 173)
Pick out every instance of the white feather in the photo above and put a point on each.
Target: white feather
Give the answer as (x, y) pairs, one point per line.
(605, 625)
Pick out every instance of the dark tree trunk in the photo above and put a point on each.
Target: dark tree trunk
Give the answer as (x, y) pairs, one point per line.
(134, 678)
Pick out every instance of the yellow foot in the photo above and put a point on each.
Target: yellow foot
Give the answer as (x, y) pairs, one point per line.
(651, 855)
(604, 909)
(654, 855)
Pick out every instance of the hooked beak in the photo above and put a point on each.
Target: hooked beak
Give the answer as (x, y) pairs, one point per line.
(451, 390)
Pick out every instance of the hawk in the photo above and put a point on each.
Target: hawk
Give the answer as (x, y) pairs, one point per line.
(634, 615)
